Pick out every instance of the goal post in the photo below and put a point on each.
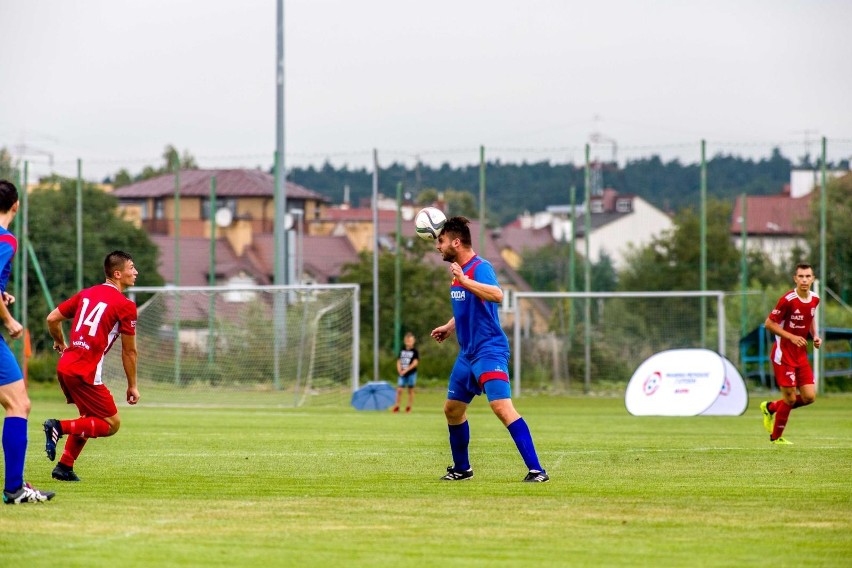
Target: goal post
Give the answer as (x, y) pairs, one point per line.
(244, 345)
(603, 337)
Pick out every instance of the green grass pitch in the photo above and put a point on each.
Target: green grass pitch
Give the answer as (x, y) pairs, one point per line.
(336, 487)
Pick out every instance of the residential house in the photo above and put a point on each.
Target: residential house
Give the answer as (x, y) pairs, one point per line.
(776, 224)
(247, 195)
(242, 220)
(617, 223)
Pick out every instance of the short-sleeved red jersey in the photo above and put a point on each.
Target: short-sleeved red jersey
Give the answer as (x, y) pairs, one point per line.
(100, 314)
(796, 316)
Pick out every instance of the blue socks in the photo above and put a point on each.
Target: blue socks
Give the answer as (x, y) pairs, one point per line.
(15, 451)
(459, 441)
(523, 439)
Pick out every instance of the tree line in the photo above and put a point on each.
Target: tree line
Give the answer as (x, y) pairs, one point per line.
(513, 188)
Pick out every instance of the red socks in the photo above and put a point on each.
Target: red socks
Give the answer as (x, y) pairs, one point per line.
(86, 427)
(773, 406)
(782, 413)
(73, 446)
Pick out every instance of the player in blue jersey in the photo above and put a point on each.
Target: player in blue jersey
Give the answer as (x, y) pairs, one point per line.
(13, 389)
(483, 361)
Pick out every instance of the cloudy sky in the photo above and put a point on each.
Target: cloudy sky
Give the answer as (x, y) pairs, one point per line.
(113, 82)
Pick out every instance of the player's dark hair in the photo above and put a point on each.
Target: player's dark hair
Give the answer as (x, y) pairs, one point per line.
(457, 227)
(115, 261)
(8, 195)
(802, 266)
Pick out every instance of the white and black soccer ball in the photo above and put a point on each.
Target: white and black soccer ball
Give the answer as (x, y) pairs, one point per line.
(429, 222)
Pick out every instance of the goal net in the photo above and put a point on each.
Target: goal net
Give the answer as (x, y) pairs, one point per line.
(260, 345)
(577, 342)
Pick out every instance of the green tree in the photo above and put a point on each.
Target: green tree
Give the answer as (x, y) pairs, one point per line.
(672, 261)
(838, 235)
(547, 270)
(603, 276)
(457, 202)
(122, 178)
(52, 232)
(171, 158)
(7, 169)
(424, 306)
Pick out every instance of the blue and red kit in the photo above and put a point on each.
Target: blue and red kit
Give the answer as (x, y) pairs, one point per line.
(477, 321)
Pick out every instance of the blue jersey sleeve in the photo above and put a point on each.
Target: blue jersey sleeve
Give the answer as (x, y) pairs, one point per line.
(7, 251)
(484, 273)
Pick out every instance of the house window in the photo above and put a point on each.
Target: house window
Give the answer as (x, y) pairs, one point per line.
(624, 205)
(596, 206)
(141, 204)
(227, 203)
(159, 210)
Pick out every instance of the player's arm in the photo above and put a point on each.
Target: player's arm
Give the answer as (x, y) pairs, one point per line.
(440, 333)
(14, 327)
(128, 360)
(54, 327)
(817, 338)
(776, 328)
(487, 292)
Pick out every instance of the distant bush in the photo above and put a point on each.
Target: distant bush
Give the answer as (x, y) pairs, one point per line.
(41, 368)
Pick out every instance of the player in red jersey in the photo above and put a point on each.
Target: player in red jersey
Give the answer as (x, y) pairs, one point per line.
(791, 321)
(100, 314)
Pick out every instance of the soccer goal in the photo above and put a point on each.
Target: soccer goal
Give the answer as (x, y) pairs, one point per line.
(257, 345)
(592, 342)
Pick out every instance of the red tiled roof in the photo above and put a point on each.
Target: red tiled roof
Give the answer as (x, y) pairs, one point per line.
(195, 260)
(357, 214)
(324, 257)
(229, 183)
(519, 240)
(772, 215)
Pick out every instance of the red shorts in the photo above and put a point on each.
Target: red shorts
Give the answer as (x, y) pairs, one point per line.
(792, 377)
(91, 400)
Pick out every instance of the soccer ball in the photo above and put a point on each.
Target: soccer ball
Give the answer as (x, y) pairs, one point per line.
(428, 223)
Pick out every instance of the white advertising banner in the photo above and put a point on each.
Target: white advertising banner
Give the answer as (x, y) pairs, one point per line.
(678, 382)
(733, 398)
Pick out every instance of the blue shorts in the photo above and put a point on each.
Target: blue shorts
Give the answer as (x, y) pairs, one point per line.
(489, 374)
(408, 381)
(10, 371)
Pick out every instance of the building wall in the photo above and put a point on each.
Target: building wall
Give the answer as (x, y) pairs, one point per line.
(258, 212)
(636, 228)
(776, 248)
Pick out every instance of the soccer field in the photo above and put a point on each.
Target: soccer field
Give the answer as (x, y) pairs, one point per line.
(336, 487)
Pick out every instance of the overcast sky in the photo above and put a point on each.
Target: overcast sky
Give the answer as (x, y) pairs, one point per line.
(114, 81)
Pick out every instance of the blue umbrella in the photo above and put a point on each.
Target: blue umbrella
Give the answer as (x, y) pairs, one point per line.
(377, 395)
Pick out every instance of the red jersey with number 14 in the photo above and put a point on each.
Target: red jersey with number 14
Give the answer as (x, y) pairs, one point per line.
(794, 315)
(100, 314)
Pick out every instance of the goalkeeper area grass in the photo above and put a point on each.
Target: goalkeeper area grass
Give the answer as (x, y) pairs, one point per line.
(326, 486)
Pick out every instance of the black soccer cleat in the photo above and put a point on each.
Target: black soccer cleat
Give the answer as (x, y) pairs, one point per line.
(456, 475)
(64, 473)
(52, 433)
(536, 477)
